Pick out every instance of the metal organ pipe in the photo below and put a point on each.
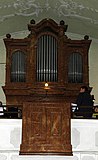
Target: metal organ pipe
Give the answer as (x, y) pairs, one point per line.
(47, 58)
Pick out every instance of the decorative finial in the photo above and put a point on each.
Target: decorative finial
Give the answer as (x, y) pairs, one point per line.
(86, 37)
(8, 35)
(32, 21)
(62, 22)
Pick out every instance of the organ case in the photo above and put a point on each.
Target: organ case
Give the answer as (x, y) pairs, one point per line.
(45, 55)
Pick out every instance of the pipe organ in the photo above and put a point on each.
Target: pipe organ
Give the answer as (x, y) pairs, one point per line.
(45, 55)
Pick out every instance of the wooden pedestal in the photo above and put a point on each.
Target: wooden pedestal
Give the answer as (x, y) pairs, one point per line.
(46, 129)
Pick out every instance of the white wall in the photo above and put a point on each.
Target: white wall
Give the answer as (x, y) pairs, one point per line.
(93, 68)
(93, 62)
(2, 69)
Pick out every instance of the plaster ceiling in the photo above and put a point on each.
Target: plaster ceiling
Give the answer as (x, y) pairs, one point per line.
(81, 16)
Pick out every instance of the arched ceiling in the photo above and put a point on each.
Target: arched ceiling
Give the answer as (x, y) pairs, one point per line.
(80, 15)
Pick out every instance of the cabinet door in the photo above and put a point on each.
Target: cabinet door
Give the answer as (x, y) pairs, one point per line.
(46, 129)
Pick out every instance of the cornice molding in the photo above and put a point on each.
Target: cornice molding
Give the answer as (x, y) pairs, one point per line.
(24, 33)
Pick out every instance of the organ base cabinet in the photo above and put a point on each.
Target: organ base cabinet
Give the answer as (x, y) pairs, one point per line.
(46, 129)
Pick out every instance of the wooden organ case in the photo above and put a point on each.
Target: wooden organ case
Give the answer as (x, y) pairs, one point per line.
(45, 55)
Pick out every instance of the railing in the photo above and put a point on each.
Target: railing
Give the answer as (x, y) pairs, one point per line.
(10, 111)
(15, 112)
(85, 112)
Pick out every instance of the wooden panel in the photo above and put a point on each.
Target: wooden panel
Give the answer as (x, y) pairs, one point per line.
(46, 129)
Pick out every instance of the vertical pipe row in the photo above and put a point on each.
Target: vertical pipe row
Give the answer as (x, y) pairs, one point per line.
(75, 72)
(18, 67)
(47, 58)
